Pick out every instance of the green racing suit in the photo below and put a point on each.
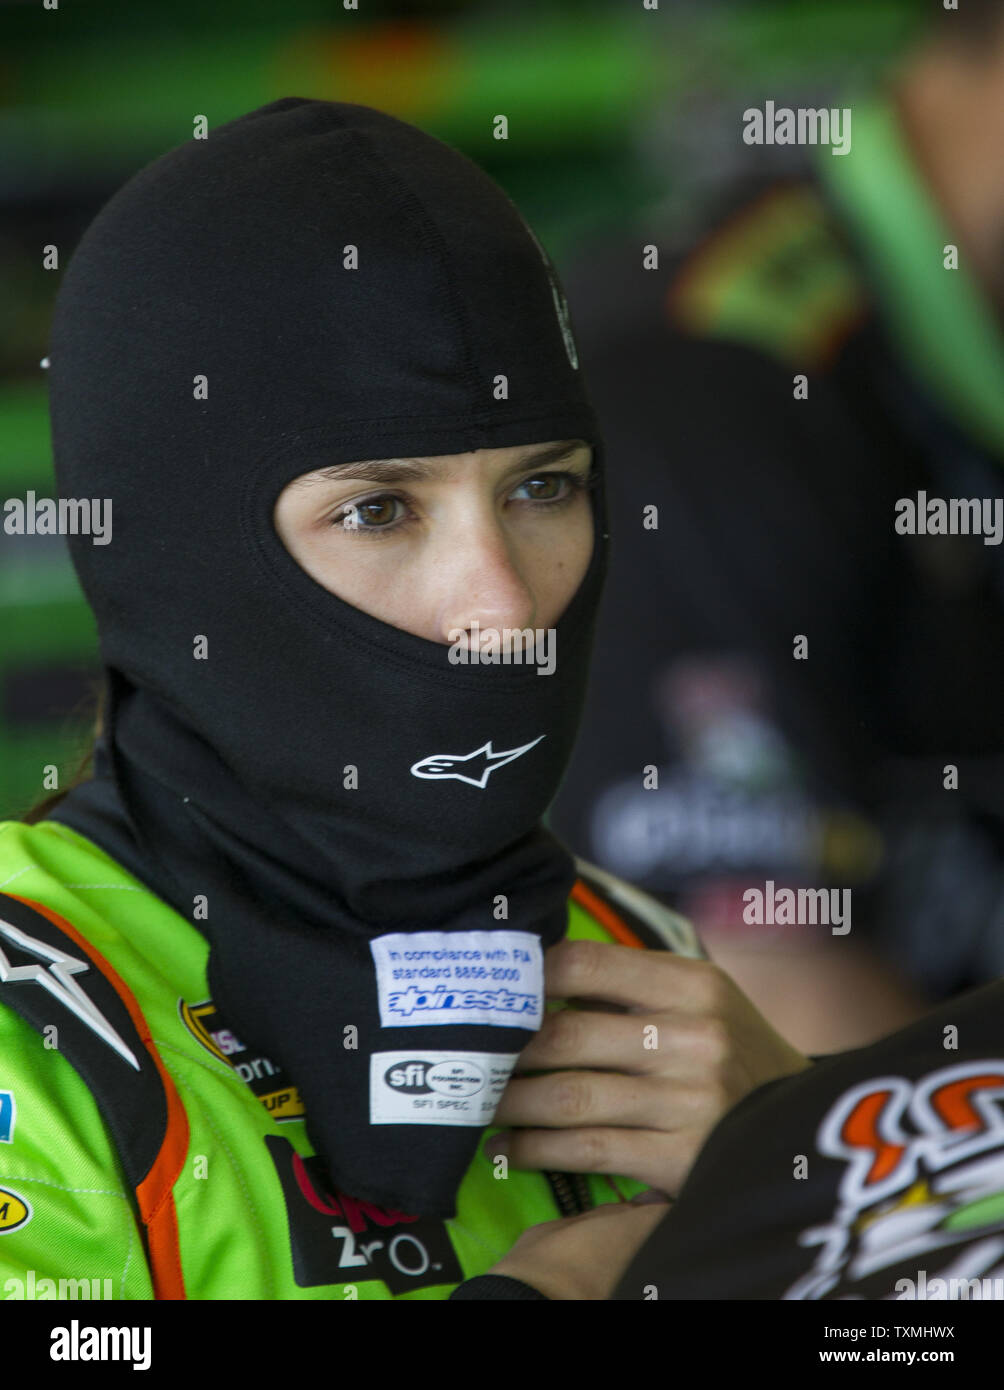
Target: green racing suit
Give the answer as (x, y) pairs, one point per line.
(145, 1152)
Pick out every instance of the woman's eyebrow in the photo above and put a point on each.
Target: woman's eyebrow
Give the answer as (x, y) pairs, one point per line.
(410, 469)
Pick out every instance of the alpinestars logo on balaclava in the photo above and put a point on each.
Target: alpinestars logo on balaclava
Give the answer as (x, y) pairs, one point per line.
(474, 768)
(226, 778)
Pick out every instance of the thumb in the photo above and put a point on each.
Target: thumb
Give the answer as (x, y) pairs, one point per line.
(650, 1195)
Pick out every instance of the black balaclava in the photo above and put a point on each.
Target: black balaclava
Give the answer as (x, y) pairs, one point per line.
(292, 775)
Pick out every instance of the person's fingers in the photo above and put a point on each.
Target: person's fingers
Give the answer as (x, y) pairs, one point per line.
(650, 1197)
(625, 1234)
(659, 1159)
(677, 1046)
(569, 1099)
(648, 980)
(585, 1256)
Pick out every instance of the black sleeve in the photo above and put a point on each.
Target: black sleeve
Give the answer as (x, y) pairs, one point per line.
(876, 1174)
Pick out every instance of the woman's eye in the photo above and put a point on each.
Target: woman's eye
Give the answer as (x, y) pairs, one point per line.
(376, 513)
(547, 488)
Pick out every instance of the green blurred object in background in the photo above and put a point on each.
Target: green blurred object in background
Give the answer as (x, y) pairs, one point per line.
(49, 641)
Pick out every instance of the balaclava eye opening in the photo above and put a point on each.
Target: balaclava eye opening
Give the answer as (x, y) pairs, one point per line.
(313, 284)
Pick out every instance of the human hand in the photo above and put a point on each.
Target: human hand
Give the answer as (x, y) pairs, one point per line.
(635, 1092)
(584, 1257)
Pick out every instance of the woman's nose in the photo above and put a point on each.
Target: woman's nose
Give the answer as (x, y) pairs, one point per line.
(482, 586)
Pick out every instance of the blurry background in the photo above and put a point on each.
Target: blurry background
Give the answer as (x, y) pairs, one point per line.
(617, 117)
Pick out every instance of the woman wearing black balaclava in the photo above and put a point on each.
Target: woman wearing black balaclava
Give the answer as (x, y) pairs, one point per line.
(299, 753)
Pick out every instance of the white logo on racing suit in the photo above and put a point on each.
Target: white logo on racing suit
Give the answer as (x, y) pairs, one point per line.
(55, 977)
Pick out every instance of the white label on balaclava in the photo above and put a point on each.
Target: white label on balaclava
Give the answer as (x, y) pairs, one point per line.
(437, 1088)
(431, 977)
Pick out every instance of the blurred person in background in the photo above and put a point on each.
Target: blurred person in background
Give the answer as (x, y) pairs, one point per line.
(791, 690)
